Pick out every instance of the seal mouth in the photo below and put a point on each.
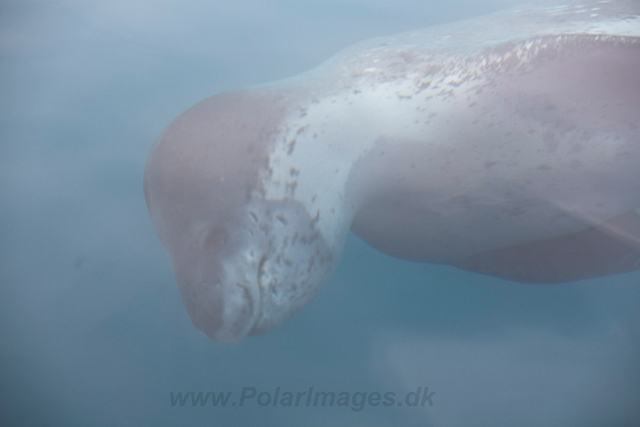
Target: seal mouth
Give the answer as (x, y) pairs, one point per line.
(261, 290)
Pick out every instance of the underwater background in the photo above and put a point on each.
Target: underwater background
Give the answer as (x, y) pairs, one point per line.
(93, 328)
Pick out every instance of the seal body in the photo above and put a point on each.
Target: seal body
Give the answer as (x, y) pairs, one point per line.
(484, 144)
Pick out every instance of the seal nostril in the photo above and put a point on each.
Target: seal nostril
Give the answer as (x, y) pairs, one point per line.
(263, 259)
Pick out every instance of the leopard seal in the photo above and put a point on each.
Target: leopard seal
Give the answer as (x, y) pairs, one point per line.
(507, 144)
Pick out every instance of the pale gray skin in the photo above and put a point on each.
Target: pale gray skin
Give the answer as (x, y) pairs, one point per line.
(507, 145)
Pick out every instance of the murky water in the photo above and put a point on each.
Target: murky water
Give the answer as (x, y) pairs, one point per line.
(94, 331)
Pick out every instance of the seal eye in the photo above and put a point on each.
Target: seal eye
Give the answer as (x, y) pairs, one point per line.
(215, 239)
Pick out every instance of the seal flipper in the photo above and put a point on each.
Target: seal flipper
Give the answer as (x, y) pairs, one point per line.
(612, 247)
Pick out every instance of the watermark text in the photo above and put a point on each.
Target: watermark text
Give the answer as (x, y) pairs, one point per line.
(277, 397)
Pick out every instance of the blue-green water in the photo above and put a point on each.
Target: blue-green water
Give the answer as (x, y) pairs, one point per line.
(94, 331)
